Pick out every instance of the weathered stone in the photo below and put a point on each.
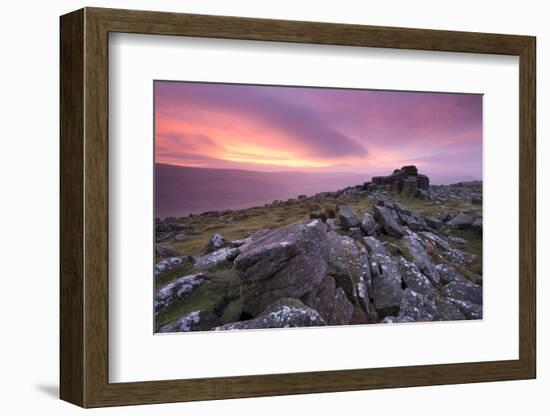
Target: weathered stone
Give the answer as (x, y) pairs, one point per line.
(171, 263)
(449, 274)
(385, 217)
(420, 307)
(289, 261)
(386, 279)
(421, 258)
(284, 313)
(195, 321)
(414, 279)
(469, 309)
(164, 250)
(347, 217)
(434, 222)
(216, 258)
(432, 241)
(215, 243)
(178, 289)
(460, 221)
(368, 224)
(343, 262)
(463, 290)
(364, 287)
(331, 302)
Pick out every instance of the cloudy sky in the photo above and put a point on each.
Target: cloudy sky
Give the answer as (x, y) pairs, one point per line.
(318, 130)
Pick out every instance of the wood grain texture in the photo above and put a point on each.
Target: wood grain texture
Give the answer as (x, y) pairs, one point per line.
(84, 207)
(71, 100)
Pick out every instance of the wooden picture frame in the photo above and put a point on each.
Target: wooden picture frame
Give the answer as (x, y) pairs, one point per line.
(84, 207)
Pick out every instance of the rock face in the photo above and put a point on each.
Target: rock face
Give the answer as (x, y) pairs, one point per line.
(386, 279)
(387, 220)
(347, 217)
(463, 290)
(406, 181)
(284, 313)
(421, 258)
(177, 290)
(286, 262)
(331, 302)
(215, 258)
(369, 225)
(424, 308)
(414, 279)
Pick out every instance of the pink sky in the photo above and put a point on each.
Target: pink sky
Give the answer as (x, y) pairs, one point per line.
(272, 128)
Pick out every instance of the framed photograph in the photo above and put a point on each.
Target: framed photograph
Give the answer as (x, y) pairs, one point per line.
(254, 207)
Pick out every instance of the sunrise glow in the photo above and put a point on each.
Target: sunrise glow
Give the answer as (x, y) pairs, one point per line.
(268, 128)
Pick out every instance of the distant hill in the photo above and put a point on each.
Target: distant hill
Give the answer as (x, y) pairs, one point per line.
(182, 190)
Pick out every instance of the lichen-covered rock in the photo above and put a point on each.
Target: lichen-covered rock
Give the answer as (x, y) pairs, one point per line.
(463, 290)
(177, 290)
(364, 286)
(171, 263)
(216, 258)
(369, 225)
(284, 313)
(460, 221)
(420, 307)
(331, 302)
(443, 247)
(414, 279)
(347, 217)
(421, 258)
(343, 261)
(386, 279)
(195, 321)
(449, 274)
(387, 220)
(469, 309)
(215, 243)
(289, 261)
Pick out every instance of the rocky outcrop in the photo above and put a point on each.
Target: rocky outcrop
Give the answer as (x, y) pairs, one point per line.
(284, 313)
(406, 181)
(286, 262)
